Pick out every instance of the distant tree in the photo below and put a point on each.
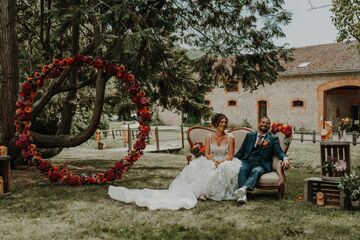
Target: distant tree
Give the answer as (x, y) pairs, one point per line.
(346, 19)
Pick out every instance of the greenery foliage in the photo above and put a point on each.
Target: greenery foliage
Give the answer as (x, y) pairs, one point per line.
(350, 184)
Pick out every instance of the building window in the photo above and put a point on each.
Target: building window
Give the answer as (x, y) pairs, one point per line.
(231, 103)
(262, 109)
(298, 103)
(207, 102)
(232, 86)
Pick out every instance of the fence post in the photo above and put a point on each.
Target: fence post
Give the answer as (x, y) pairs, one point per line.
(314, 136)
(302, 135)
(182, 136)
(129, 137)
(157, 139)
(354, 138)
(113, 134)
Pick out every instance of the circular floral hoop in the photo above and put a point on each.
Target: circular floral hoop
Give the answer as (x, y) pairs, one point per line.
(59, 173)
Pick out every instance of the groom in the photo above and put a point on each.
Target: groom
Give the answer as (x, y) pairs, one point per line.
(256, 154)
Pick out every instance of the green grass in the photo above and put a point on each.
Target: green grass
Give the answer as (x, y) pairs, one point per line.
(36, 209)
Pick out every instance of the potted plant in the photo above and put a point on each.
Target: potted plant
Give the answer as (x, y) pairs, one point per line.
(350, 185)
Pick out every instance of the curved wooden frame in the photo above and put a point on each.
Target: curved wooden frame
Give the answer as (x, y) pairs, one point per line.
(196, 127)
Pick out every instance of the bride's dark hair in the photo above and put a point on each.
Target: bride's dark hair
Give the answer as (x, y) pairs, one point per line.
(215, 120)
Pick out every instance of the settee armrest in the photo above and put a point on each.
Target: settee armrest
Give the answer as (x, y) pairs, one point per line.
(279, 170)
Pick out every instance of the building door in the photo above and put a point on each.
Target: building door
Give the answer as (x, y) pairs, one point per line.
(355, 115)
(262, 109)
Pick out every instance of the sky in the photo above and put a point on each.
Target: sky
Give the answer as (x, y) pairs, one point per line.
(309, 27)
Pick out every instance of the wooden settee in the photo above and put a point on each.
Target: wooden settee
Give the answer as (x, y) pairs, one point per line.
(269, 181)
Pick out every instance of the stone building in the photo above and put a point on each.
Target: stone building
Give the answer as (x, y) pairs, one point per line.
(321, 84)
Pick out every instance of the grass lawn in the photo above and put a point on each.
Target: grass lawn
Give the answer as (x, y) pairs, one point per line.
(36, 209)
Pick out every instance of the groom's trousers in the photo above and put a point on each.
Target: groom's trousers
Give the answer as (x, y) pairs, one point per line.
(250, 174)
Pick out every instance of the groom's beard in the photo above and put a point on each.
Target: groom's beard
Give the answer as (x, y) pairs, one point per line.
(264, 129)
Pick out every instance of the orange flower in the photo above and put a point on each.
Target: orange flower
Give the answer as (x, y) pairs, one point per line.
(45, 68)
(32, 147)
(28, 109)
(141, 94)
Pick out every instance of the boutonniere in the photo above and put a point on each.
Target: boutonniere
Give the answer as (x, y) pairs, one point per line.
(265, 143)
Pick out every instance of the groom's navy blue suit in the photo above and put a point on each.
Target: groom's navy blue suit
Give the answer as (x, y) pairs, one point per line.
(257, 158)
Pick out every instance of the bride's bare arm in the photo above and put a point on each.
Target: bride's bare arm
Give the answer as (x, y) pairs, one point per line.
(208, 153)
(231, 152)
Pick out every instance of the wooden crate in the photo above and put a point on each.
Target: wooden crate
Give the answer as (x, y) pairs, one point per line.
(333, 196)
(330, 153)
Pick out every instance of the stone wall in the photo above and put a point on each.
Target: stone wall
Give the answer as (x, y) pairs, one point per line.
(279, 97)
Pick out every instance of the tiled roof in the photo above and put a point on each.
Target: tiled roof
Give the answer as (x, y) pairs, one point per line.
(327, 58)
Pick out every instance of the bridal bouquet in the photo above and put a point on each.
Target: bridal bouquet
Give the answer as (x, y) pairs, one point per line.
(198, 149)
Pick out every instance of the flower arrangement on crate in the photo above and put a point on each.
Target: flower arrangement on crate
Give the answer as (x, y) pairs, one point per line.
(350, 184)
(198, 149)
(334, 167)
(345, 124)
(286, 129)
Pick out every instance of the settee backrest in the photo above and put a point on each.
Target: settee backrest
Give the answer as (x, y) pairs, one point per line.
(199, 133)
(239, 135)
(284, 143)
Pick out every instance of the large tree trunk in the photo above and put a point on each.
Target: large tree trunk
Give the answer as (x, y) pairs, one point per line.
(9, 65)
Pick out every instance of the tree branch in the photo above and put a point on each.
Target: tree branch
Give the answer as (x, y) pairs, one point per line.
(51, 141)
(78, 85)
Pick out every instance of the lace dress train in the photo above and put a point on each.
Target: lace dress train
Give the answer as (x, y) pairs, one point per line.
(199, 177)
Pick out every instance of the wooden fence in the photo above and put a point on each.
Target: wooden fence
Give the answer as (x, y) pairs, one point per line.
(160, 137)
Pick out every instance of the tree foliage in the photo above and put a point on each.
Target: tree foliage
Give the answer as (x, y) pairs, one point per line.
(150, 37)
(346, 19)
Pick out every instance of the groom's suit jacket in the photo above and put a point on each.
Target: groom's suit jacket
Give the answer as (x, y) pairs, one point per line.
(260, 154)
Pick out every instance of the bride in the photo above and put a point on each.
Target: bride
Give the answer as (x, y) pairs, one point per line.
(212, 176)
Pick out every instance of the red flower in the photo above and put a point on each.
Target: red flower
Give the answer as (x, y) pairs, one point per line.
(130, 77)
(26, 86)
(146, 116)
(37, 75)
(144, 101)
(121, 68)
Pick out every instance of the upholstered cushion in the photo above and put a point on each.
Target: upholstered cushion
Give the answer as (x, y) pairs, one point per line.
(239, 136)
(269, 180)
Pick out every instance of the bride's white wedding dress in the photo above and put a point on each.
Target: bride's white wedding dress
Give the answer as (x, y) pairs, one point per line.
(199, 177)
